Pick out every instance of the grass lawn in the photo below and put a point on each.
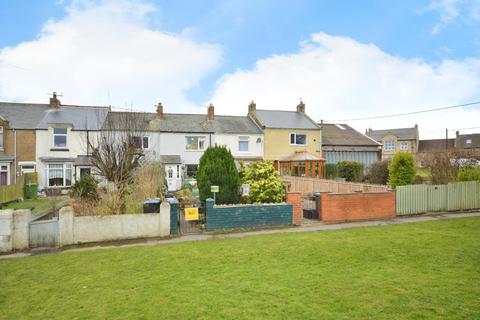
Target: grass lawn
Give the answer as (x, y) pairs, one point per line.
(424, 172)
(428, 270)
(38, 204)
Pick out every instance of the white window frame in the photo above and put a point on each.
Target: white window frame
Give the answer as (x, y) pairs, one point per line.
(2, 137)
(388, 147)
(295, 139)
(66, 166)
(468, 141)
(204, 138)
(60, 134)
(8, 170)
(404, 146)
(142, 144)
(244, 139)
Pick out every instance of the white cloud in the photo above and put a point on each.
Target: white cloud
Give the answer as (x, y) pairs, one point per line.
(340, 78)
(451, 10)
(105, 52)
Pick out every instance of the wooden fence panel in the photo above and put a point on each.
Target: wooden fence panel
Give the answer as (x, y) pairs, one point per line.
(414, 199)
(464, 195)
(12, 192)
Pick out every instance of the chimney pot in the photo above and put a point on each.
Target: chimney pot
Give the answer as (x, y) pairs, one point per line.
(211, 112)
(159, 111)
(252, 107)
(54, 102)
(301, 107)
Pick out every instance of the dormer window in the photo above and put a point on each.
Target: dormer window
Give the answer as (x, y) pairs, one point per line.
(60, 138)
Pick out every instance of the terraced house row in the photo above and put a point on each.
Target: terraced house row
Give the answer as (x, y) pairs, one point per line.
(52, 139)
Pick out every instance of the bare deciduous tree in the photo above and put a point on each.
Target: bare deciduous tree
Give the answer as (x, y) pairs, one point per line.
(117, 150)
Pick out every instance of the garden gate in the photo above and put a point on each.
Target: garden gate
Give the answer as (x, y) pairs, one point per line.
(186, 226)
(43, 233)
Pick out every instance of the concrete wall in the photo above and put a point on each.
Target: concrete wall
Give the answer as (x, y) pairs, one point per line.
(337, 207)
(74, 230)
(277, 143)
(14, 229)
(247, 216)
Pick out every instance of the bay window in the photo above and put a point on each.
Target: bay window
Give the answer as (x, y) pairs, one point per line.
(59, 174)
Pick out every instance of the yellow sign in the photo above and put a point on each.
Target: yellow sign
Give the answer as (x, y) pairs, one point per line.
(191, 214)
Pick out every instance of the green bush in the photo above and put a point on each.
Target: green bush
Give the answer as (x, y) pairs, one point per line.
(331, 170)
(469, 174)
(402, 169)
(350, 170)
(85, 189)
(264, 182)
(217, 167)
(378, 172)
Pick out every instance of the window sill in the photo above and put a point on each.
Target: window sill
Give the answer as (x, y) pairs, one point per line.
(201, 150)
(59, 149)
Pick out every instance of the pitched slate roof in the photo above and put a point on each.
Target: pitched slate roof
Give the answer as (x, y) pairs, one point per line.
(401, 133)
(40, 116)
(435, 145)
(181, 122)
(277, 119)
(22, 115)
(344, 135)
(462, 140)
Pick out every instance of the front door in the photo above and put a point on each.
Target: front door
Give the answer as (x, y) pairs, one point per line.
(174, 174)
(4, 174)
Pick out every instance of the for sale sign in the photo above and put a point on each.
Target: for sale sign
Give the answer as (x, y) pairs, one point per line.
(191, 214)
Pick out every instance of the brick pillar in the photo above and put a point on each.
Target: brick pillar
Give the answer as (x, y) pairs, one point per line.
(295, 199)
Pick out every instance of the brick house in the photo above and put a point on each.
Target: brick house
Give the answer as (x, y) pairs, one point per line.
(394, 140)
(17, 142)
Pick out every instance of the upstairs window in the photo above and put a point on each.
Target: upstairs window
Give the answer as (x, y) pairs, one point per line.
(298, 138)
(389, 145)
(141, 142)
(403, 146)
(195, 143)
(1, 138)
(243, 142)
(59, 137)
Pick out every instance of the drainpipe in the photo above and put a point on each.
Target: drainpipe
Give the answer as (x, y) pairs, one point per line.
(15, 155)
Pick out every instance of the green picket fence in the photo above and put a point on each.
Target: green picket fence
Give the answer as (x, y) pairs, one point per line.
(12, 192)
(423, 198)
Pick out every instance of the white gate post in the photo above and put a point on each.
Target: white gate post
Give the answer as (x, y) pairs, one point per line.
(21, 219)
(6, 230)
(164, 223)
(66, 220)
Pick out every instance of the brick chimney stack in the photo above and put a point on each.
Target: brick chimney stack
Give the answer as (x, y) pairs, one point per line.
(252, 107)
(301, 107)
(159, 111)
(211, 112)
(54, 102)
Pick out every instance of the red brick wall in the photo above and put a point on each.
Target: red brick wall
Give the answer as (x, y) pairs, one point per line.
(336, 207)
(295, 198)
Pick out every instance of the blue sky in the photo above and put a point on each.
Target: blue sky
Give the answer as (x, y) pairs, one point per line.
(242, 33)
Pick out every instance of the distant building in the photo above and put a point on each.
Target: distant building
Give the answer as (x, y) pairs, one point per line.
(394, 140)
(341, 142)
